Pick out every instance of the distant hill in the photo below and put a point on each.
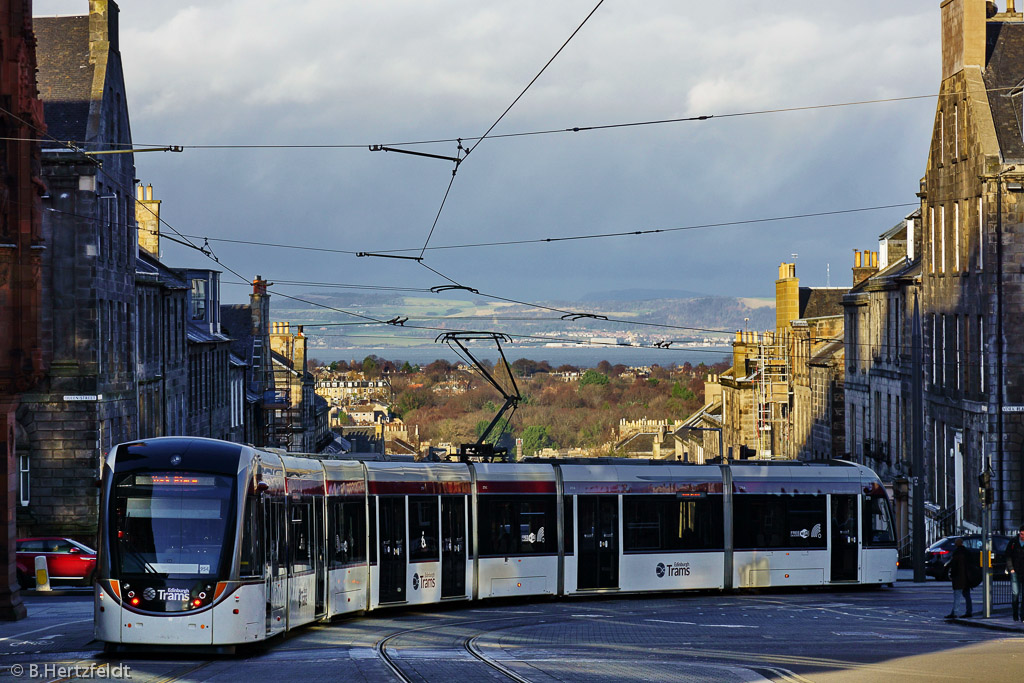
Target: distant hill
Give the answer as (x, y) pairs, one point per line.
(682, 319)
(642, 295)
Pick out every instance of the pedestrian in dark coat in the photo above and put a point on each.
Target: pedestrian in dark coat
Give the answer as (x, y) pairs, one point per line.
(959, 569)
(1015, 566)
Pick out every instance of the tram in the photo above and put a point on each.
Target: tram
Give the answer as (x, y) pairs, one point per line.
(215, 544)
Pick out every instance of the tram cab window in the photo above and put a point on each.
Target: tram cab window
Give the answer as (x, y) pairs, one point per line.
(517, 525)
(779, 521)
(347, 542)
(252, 539)
(663, 522)
(280, 552)
(300, 537)
(424, 525)
(878, 530)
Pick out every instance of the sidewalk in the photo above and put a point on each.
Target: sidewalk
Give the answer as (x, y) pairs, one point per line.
(999, 621)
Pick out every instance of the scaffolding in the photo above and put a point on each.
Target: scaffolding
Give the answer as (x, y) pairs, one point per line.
(772, 397)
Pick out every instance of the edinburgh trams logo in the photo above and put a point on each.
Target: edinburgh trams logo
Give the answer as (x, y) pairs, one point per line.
(428, 580)
(813, 532)
(674, 569)
(149, 593)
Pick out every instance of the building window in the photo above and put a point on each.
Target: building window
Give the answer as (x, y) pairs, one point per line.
(956, 350)
(931, 239)
(198, 299)
(24, 490)
(956, 132)
(981, 235)
(942, 239)
(956, 237)
(942, 348)
(981, 352)
(942, 138)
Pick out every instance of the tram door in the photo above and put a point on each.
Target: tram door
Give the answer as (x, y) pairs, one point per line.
(598, 539)
(319, 555)
(391, 531)
(453, 546)
(845, 547)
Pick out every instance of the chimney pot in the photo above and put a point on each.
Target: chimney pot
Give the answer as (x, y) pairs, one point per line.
(856, 258)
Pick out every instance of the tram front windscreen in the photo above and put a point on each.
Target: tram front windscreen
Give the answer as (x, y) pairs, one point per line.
(175, 525)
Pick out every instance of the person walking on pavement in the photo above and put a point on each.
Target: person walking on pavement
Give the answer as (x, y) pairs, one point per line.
(1015, 565)
(958, 572)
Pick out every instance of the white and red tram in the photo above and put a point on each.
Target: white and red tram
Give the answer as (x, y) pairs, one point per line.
(209, 543)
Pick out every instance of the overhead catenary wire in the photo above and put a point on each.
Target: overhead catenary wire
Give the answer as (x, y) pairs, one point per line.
(550, 131)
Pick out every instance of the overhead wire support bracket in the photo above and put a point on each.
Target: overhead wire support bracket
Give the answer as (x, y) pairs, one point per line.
(445, 288)
(169, 148)
(578, 316)
(406, 258)
(382, 148)
(397, 320)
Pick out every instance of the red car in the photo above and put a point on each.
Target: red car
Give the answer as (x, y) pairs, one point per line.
(67, 561)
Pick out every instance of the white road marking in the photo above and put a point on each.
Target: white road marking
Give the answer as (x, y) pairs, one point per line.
(45, 628)
(666, 621)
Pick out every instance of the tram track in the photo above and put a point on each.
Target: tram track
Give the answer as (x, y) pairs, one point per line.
(467, 643)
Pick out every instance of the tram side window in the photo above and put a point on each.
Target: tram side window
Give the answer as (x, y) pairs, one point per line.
(779, 521)
(663, 522)
(424, 527)
(517, 525)
(300, 521)
(568, 526)
(347, 543)
(252, 539)
(878, 530)
(372, 521)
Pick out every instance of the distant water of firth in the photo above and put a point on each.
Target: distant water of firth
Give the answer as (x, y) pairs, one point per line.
(583, 357)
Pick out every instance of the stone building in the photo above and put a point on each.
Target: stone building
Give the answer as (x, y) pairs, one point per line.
(86, 401)
(972, 279)
(161, 302)
(248, 325)
(22, 361)
(213, 409)
(766, 396)
(342, 391)
(815, 329)
(878, 310)
(301, 416)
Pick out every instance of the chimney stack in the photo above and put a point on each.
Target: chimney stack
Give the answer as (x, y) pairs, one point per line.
(963, 35)
(147, 220)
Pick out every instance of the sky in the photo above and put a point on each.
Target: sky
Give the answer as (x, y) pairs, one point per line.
(342, 72)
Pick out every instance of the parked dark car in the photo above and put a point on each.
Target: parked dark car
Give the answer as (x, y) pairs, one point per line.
(939, 554)
(67, 561)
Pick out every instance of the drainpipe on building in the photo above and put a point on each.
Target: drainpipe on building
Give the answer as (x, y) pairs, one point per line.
(917, 447)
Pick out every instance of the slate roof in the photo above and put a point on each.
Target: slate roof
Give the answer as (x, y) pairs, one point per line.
(820, 302)
(824, 355)
(65, 75)
(1004, 69)
(146, 264)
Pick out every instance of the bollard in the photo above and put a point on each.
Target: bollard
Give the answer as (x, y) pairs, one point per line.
(42, 575)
